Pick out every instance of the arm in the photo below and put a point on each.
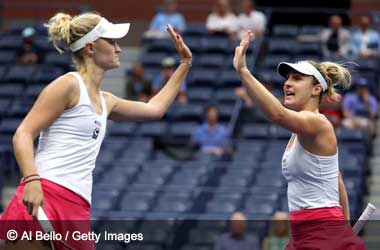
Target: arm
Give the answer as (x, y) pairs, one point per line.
(343, 198)
(53, 100)
(304, 122)
(123, 110)
(265, 245)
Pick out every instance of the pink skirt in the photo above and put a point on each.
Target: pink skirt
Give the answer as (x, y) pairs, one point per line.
(322, 229)
(67, 212)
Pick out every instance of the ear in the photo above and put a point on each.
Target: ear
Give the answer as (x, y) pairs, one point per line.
(89, 49)
(317, 90)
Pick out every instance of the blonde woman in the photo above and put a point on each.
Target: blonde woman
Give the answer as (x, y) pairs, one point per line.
(70, 115)
(310, 163)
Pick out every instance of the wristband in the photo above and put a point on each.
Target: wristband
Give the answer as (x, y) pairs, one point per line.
(31, 176)
(39, 179)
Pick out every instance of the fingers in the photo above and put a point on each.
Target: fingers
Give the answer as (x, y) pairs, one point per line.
(35, 210)
(246, 40)
(172, 33)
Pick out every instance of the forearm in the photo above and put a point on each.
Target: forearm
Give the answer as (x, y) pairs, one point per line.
(343, 198)
(168, 93)
(24, 153)
(268, 103)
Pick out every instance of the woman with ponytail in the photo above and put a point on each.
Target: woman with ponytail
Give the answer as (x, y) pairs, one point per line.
(317, 196)
(70, 117)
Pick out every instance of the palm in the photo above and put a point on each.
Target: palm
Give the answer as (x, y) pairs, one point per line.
(182, 49)
(240, 61)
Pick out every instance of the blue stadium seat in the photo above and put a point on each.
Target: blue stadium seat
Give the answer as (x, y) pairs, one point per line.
(310, 29)
(234, 180)
(136, 201)
(182, 129)
(7, 57)
(214, 61)
(20, 73)
(281, 30)
(9, 125)
(194, 44)
(10, 42)
(172, 206)
(156, 128)
(33, 91)
(185, 179)
(56, 59)
(220, 206)
(257, 208)
(44, 44)
(350, 135)
(282, 46)
(255, 131)
(150, 178)
(199, 94)
(280, 133)
(161, 45)
(195, 30)
(309, 49)
(11, 90)
(216, 44)
(271, 61)
(150, 59)
(122, 129)
(201, 236)
(5, 104)
(104, 200)
(20, 108)
(225, 95)
(203, 77)
(229, 78)
(46, 74)
(189, 112)
(225, 111)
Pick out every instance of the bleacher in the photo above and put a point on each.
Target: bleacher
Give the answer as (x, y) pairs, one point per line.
(160, 196)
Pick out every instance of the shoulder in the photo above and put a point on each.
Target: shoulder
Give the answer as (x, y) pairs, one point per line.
(258, 13)
(110, 100)
(66, 84)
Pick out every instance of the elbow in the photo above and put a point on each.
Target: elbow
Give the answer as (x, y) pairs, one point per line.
(276, 117)
(157, 114)
(20, 136)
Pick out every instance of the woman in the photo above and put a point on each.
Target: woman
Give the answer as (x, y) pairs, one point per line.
(310, 163)
(222, 21)
(279, 232)
(70, 115)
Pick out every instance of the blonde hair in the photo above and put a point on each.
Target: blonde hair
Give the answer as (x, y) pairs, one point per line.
(335, 74)
(65, 29)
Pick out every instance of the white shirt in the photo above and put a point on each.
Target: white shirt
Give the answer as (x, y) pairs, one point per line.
(68, 148)
(220, 23)
(255, 21)
(312, 179)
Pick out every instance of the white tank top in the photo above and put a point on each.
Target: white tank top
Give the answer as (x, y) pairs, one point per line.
(312, 179)
(68, 148)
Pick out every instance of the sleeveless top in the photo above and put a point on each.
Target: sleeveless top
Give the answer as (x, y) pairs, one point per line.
(68, 148)
(312, 179)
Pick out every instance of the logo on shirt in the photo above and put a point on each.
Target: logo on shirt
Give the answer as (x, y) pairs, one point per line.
(95, 132)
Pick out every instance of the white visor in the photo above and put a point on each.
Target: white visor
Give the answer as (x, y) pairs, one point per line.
(103, 29)
(302, 67)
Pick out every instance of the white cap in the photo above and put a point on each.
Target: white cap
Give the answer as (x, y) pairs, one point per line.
(302, 67)
(103, 29)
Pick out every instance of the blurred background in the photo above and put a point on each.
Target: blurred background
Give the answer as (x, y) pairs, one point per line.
(173, 170)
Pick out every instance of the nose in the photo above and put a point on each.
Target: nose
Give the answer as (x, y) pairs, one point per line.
(117, 48)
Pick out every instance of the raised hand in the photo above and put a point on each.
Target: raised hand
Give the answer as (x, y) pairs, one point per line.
(182, 49)
(240, 62)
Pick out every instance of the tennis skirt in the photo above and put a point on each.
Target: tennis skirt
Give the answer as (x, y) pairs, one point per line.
(67, 212)
(322, 229)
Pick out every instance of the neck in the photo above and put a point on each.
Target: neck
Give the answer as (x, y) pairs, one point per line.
(92, 77)
(311, 106)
